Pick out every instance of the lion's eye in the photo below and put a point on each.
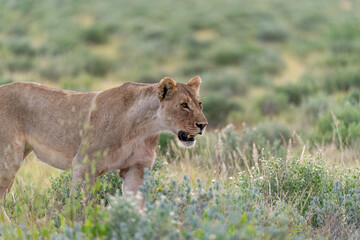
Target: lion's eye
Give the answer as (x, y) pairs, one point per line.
(185, 105)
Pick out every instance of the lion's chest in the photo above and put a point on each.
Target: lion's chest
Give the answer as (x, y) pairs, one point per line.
(129, 154)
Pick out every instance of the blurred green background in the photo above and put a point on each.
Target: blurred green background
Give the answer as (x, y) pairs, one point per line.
(288, 65)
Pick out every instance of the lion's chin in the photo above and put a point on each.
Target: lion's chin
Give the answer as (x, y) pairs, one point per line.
(186, 140)
(187, 144)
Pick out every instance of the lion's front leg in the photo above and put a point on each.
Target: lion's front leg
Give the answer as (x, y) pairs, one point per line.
(83, 174)
(133, 177)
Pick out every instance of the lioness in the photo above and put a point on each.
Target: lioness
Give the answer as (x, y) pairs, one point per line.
(96, 132)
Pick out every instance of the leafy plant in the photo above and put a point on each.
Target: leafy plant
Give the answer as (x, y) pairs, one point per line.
(273, 104)
(217, 108)
(341, 124)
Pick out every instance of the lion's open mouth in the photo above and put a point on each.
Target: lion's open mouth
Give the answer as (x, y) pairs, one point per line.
(183, 136)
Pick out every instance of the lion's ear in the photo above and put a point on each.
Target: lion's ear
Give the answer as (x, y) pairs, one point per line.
(194, 83)
(166, 88)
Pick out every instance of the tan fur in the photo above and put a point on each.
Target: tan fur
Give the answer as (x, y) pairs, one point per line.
(93, 133)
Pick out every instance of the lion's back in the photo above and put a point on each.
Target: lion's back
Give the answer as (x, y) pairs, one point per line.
(49, 115)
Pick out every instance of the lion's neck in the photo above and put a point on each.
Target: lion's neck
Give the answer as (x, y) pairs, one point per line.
(143, 116)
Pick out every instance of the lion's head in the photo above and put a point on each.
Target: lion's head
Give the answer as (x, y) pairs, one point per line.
(181, 109)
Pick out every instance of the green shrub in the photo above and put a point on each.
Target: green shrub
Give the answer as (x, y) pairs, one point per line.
(272, 32)
(345, 60)
(192, 68)
(315, 106)
(296, 181)
(82, 83)
(20, 64)
(276, 199)
(52, 70)
(273, 104)
(265, 63)
(18, 29)
(21, 47)
(344, 49)
(217, 108)
(60, 44)
(311, 21)
(345, 129)
(354, 96)
(95, 34)
(347, 30)
(295, 92)
(97, 66)
(341, 80)
(228, 53)
(154, 32)
(271, 136)
(195, 47)
(202, 213)
(107, 185)
(226, 83)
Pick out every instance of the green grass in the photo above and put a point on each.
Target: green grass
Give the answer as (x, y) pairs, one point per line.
(251, 196)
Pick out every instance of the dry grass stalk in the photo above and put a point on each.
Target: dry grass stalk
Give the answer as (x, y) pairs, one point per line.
(243, 157)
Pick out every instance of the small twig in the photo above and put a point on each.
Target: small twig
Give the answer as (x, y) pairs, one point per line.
(242, 155)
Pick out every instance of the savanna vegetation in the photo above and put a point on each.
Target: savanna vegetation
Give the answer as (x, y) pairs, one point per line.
(281, 90)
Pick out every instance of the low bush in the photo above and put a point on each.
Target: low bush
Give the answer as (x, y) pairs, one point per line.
(230, 53)
(264, 63)
(326, 199)
(97, 66)
(297, 182)
(344, 30)
(20, 64)
(192, 68)
(217, 108)
(52, 70)
(315, 106)
(354, 96)
(179, 210)
(107, 185)
(296, 92)
(194, 47)
(82, 83)
(61, 43)
(341, 124)
(311, 21)
(21, 47)
(341, 80)
(273, 104)
(276, 199)
(95, 34)
(226, 83)
(18, 29)
(270, 136)
(272, 32)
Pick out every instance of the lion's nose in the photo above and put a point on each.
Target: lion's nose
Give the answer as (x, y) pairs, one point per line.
(201, 126)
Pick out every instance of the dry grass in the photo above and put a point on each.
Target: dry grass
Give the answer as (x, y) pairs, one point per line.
(36, 172)
(293, 71)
